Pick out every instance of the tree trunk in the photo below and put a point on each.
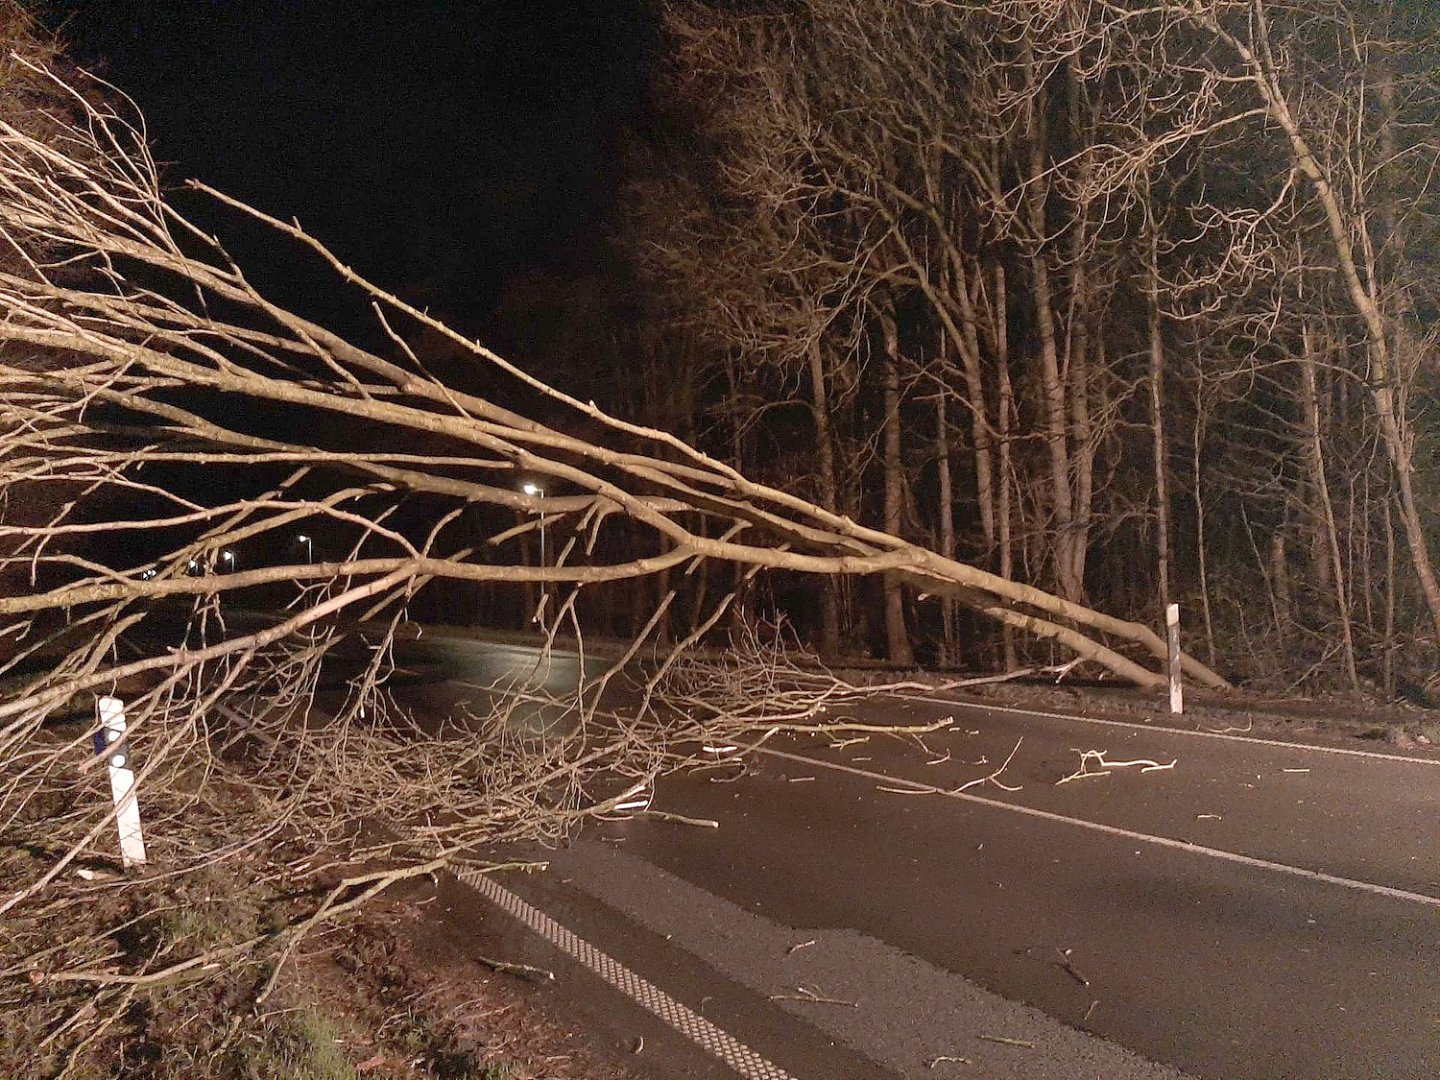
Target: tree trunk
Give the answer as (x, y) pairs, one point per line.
(1000, 315)
(1280, 583)
(1083, 433)
(1320, 483)
(1157, 429)
(1387, 665)
(1052, 385)
(1201, 543)
(945, 514)
(980, 433)
(897, 637)
(829, 494)
(740, 584)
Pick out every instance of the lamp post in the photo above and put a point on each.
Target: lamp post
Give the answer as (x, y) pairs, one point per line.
(309, 547)
(227, 560)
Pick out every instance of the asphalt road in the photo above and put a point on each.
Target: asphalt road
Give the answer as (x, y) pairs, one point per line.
(1256, 910)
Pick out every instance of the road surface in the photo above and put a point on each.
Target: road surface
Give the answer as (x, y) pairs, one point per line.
(1255, 910)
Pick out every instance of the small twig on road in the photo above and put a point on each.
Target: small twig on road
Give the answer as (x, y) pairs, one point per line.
(1007, 1042)
(1065, 963)
(994, 777)
(797, 947)
(944, 1058)
(1249, 726)
(681, 819)
(742, 771)
(929, 789)
(1093, 763)
(1082, 774)
(804, 993)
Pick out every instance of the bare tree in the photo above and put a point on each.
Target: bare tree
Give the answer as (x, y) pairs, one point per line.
(140, 367)
(1136, 177)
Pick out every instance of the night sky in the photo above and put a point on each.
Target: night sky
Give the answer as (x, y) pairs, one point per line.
(445, 148)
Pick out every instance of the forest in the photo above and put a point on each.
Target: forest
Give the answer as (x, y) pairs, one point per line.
(1132, 302)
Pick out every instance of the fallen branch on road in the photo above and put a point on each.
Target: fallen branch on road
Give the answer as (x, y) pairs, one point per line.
(1093, 763)
(989, 778)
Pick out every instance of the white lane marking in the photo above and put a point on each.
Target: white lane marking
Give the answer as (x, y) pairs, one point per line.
(745, 1061)
(1128, 834)
(1167, 730)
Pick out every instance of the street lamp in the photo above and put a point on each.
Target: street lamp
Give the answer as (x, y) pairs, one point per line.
(309, 547)
(536, 491)
(227, 557)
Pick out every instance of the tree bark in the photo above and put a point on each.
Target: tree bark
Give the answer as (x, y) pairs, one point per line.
(897, 636)
(740, 605)
(1157, 427)
(1325, 510)
(1280, 583)
(1202, 552)
(1052, 385)
(980, 433)
(945, 515)
(999, 317)
(829, 492)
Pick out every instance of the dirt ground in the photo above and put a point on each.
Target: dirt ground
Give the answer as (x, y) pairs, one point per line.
(400, 990)
(414, 994)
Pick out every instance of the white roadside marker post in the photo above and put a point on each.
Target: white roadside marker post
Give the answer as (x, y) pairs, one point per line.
(1177, 688)
(110, 741)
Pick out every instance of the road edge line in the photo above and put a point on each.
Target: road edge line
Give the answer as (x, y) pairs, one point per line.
(1165, 729)
(1114, 830)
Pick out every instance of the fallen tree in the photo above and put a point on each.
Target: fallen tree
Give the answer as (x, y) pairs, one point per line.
(126, 310)
(176, 448)
(168, 414)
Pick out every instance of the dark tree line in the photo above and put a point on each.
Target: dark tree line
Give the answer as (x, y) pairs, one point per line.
(1133, 302)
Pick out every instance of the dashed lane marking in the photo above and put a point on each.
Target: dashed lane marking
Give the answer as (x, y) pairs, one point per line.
(745, 1061)
(1113, 830)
